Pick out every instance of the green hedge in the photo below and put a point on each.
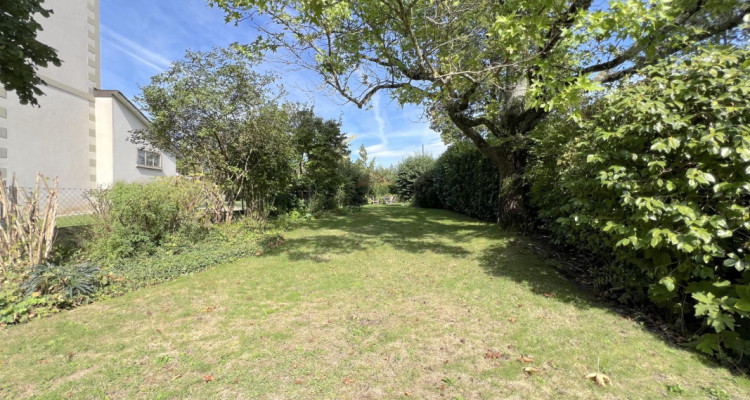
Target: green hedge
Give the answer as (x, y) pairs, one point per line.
(425, 191)
(657, 183)
(467, 182)
(408, 171)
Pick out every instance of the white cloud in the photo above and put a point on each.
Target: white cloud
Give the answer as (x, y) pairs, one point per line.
(135, 50)
(379, 118)
(375, 148)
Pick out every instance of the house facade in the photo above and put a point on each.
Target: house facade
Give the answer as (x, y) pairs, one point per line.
(79, 134)
(117, 159)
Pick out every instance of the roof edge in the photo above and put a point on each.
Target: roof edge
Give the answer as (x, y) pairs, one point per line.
(100, 93)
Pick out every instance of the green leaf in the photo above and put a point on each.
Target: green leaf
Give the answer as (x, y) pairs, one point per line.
(742, 305)
(708, 343)
(743, 291)
(668, 283)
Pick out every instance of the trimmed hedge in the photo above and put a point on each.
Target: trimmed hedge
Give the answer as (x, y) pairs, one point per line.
(657, 183)
(467, 182)
(425, 192)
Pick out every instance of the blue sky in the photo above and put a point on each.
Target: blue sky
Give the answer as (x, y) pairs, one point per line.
(139, 38)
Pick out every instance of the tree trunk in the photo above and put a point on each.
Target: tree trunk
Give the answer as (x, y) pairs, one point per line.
(512, 209)
(509, 158)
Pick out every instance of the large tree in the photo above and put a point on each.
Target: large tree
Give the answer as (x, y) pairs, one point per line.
(320, 147)
(222, 119)
(494, 69)
(21, 53)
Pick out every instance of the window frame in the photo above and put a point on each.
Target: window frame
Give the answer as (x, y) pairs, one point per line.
(147, 154)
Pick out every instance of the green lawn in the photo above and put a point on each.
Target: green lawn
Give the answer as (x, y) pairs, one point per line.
(390, 302)
(68, 221)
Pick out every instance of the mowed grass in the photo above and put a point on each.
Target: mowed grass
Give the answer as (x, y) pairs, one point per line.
(391, 302)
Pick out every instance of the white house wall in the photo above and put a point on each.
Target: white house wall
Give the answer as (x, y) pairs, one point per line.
(53, 140)
(58, 139)
(125, 153)
(104, 142)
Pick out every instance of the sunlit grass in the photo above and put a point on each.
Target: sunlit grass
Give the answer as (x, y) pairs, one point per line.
(390, 302)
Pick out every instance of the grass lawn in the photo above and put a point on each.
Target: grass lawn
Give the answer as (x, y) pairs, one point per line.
(68, 221)
(390, 302)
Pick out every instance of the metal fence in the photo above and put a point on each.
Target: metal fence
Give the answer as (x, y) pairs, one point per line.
(73, 205)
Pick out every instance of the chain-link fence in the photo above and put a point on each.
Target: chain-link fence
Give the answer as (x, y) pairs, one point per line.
(73, 205)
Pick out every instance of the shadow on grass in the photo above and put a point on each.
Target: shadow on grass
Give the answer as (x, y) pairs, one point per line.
(404, 228)
(416, 230)
(508, 254)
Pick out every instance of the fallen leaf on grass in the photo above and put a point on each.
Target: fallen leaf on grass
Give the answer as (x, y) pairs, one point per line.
(599, 378)
(492, 355)
(549, 295)
(347, 381)
(209, 309)
(526, 359)
(208, 378)
(512, 320)
(531, 370)
(298, 381)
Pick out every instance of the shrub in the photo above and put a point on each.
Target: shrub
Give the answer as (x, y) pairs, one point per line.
(227, 242)
(356, 184)
(139, 217)
(27, 224)
(467, 182)
(658, 181)
(407, 172)
(425, 191)
(382, 179)
(67, 284)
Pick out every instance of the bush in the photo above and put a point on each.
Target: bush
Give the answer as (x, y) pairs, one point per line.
(27, 224)
(353, 192)
(382, 179)
(658, 181)
(227, 242)
(467, 182)
(425, 191)
(67, 284)
(407, 172)
(139, 217)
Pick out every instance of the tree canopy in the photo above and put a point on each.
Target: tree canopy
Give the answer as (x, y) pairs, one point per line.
(21, 53)
(220, 118)
(493, 69)
(320, 147)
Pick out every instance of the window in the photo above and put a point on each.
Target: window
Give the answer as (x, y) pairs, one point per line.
(149, 159)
